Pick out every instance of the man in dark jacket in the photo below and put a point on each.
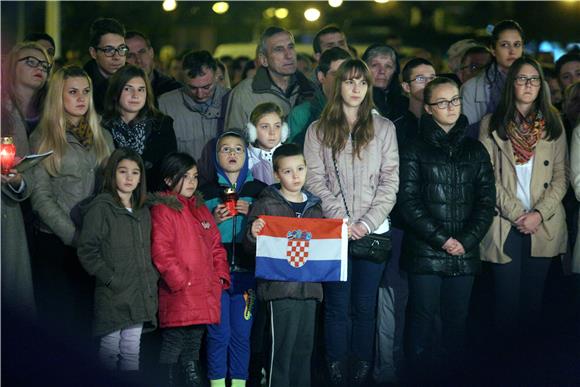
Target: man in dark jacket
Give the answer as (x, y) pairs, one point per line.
(109, 51)
(141, 54)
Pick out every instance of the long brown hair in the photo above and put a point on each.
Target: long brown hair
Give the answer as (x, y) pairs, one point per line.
(506, 110)
(333, 130)
(139, 195)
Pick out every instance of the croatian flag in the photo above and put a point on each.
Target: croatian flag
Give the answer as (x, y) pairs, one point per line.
(302, 249)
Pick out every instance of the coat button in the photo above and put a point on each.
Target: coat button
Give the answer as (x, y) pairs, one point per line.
(546, 162)
(495, 213)
(545, 185)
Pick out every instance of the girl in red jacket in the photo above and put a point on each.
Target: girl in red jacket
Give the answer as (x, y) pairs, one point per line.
(187, 251)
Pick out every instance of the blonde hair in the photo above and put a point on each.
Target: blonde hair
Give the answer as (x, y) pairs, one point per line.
(9, 80)
(52, 126)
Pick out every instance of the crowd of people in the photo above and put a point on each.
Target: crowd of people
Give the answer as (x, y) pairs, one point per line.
(129, 226)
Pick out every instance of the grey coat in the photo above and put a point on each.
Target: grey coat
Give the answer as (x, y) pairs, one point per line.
(17, 290)
(54, 197)
(193, 127)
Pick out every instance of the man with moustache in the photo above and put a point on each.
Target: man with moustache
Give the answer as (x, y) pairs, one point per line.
(276, 80)
(108, 52)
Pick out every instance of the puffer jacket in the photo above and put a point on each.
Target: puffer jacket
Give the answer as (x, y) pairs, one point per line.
(447, 190)
(187, 251)
(271, 202)
(369, 184)
(54, 197)
(575, 180)
(115, 247)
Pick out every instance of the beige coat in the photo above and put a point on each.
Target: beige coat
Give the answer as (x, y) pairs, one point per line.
(575, 180)
(370, 184)
(547, 189)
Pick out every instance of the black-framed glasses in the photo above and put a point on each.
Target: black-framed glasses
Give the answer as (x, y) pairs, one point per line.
(232, 149)
(445, 103)
(522, 80)
(422, 79)
(110, 51)
(35, 62)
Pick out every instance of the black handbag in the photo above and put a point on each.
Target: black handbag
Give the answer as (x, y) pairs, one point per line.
(372, 247)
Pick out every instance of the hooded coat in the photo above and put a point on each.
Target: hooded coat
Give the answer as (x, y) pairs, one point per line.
(115, 247)
(447, 189)
(187, 251)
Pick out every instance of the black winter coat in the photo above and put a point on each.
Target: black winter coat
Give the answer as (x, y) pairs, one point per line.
(447, 189)
(271, 202)
(115, 247)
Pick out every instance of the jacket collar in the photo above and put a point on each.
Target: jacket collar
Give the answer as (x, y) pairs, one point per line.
(215, 106)
(262, 83)
(273, 191)
(432, 133)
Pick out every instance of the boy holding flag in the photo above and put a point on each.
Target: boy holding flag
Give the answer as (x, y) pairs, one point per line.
(291, 305)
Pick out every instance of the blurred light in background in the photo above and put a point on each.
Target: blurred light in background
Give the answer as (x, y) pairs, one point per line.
(169, 5)
(281, 13)
(220, 7)
(381, 1)
(269, 12)
(335, 3)
(311, 14)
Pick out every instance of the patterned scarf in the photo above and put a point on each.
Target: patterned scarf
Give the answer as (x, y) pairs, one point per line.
(524, 133)
(82, 132)
(131, 135)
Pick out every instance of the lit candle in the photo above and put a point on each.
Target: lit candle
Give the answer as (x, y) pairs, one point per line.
(230, 200)
(7, 154)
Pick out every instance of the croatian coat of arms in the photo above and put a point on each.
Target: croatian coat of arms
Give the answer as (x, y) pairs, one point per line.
(298, 243)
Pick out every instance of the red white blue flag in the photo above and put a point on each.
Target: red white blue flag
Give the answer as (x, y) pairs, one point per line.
(302, 249)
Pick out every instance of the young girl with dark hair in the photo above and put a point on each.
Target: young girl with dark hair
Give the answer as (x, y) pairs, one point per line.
(115, 247)
(528, 150)
(191, 260)
(134, 122)
(353, 166)
(446, 200)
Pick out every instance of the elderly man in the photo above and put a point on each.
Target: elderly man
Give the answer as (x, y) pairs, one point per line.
(276, 80)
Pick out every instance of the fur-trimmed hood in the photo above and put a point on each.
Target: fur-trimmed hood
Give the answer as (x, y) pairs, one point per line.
(173, 200)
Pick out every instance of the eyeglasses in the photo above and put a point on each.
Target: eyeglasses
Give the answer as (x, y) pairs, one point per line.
(472, 67)
(523, 81)
(35, 62)
(110, 51)
(233, 149)
(422, 79)
(445, 104)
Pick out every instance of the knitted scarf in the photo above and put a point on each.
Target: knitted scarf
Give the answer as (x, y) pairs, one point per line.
(131, 135)
(524, 133)
(82, 132)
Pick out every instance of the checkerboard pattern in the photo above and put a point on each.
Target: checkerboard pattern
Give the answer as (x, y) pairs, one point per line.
(297, 252)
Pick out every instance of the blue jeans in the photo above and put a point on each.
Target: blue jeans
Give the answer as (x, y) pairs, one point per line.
(350, 312)
(228, 343)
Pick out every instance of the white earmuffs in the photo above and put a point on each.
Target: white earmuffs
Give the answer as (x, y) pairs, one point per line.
(253, 132)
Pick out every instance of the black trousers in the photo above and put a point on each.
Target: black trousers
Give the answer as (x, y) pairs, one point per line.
(181, 342)
(292, 328)
(432, 295)
(519, 285)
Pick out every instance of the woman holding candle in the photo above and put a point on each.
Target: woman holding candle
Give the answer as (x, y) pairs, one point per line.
(69, 126)
(24, 75)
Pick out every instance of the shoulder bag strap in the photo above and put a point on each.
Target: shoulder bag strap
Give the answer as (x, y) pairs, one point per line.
(340, 185)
